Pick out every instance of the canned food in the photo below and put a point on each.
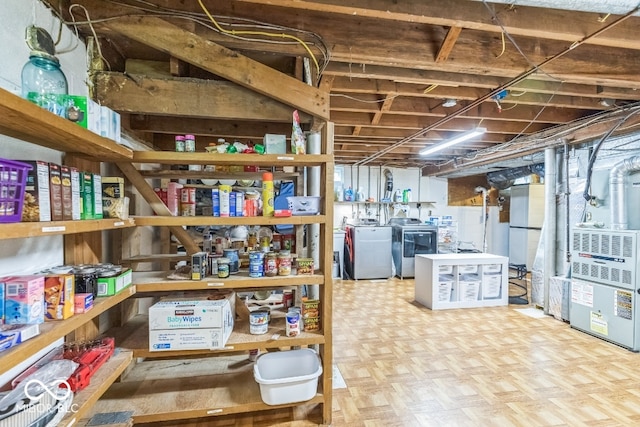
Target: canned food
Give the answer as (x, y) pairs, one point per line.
(223, 268)
(292, 326)
(234, 259)
(259, 322)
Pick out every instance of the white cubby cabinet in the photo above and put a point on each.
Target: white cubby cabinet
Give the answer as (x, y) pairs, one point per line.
(461, 280)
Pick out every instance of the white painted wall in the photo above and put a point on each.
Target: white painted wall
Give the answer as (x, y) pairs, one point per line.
(423, 189)
(22, 256)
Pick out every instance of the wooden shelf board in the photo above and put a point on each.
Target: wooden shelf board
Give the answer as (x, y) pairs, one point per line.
(156, 281)
(157, 257)
(381, 203)
(134, 336)
(24, 120)
(163, 390)
(54, 330)
(39, 229)
(203, 158)
(84, 400)
(182, 174)
(176, 221)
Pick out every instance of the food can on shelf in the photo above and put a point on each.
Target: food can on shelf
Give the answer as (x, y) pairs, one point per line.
(292, 325)
(287, 298)
(187, 209)
(256, 264)
(223, 268)
(234, 259)
(259, 322)
(188, 195)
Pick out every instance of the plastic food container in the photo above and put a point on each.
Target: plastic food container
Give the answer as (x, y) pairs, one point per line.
(287, 376)
(304, 205)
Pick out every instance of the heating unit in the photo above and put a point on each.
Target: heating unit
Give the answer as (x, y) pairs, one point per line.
(605, 286)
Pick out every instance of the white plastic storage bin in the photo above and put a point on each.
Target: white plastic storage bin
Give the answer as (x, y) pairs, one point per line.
(467, 269)
(491, 285)
(288, 376)
(491, 268)
(445, 269)
(445, 288)
(304, 205)
(469, 288)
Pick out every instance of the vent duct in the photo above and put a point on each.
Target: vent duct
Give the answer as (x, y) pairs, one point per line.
(505, 178)
(617, 179)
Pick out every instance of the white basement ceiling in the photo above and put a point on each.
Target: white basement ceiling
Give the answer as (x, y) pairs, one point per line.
(615, 7)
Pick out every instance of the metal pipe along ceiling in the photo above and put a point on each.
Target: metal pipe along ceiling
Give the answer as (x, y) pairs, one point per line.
(617, 179)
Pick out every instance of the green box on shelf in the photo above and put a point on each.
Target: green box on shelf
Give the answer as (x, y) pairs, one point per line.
(108, 286)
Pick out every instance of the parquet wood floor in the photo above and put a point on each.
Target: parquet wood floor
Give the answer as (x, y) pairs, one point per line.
(405, 365)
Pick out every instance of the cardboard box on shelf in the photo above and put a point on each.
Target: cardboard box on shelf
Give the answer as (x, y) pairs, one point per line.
(108, 286)
(59, 296)
(191, 323)
(12, 335)
(24, 299)
(55, 191)
(37, 198)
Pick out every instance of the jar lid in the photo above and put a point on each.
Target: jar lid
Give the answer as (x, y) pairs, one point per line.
(44, 55)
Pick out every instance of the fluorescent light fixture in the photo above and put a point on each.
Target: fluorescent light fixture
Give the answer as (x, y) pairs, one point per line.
(456, 140)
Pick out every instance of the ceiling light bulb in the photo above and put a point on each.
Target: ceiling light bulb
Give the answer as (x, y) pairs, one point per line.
(448, 103)
(456, 140)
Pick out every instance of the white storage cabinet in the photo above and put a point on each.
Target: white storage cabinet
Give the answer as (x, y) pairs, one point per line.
(461, 280)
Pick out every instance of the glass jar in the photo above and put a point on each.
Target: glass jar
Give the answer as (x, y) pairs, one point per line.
(270, 264)
(284, 263)
(43, 82)
(86, 280)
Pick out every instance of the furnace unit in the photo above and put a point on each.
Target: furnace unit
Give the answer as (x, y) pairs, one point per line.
(605, 285)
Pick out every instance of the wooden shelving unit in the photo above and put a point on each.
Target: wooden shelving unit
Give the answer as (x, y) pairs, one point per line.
(20, 230)
(169, 390)
(26, 121)
(155, 281)
(194, 388)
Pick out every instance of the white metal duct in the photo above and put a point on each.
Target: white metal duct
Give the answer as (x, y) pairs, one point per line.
(617, 182)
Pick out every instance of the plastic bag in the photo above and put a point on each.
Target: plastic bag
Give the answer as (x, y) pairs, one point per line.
(298, 141)
(47, 379)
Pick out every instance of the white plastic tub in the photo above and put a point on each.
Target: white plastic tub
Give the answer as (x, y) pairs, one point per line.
(288, 376)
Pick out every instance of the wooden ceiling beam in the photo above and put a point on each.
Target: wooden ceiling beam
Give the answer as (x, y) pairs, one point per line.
(188, 98)
(561, 25)
(448, 43)
(187, 46)
(473, 90)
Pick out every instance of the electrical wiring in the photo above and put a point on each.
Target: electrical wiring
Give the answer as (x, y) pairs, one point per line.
(504, 45)
(594, 154)
(430, 88)
(261, 33)
(151, 10)
(532, 64)
(365, 100)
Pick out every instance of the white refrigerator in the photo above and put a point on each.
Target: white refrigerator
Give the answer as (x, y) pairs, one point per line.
(526, 216)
